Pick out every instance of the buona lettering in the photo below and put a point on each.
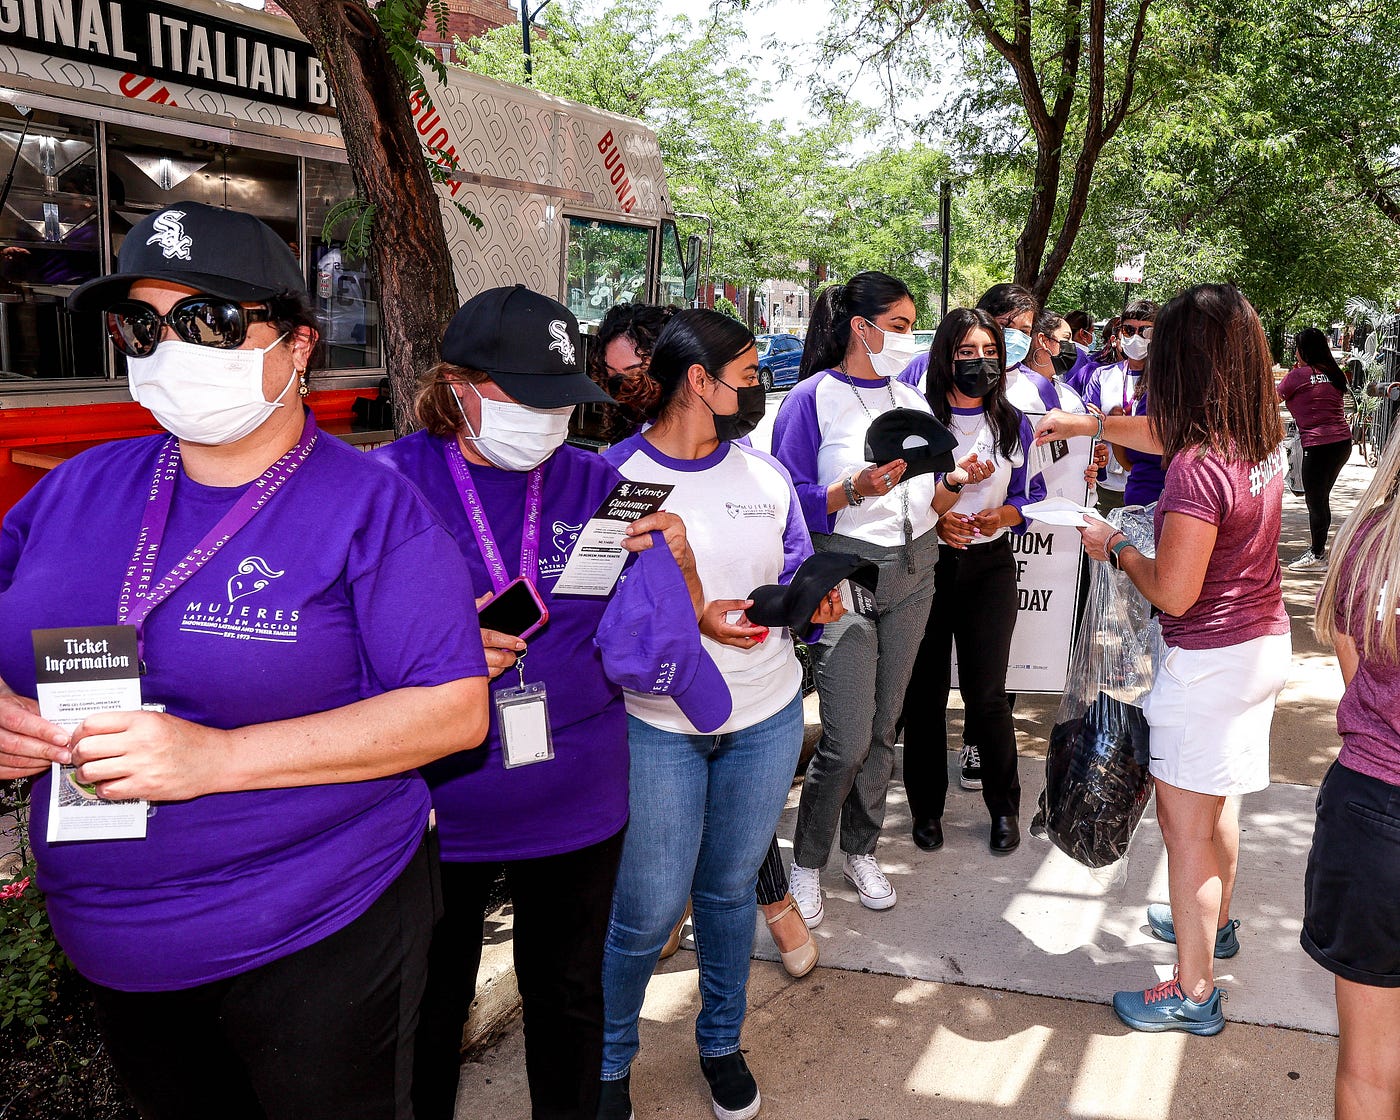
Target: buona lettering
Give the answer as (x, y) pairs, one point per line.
(617, 172)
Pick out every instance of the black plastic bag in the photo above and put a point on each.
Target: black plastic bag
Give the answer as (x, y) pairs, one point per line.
(1096, 779)
(1096, 782)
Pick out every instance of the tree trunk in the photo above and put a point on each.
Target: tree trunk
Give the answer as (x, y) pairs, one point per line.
(413, 268)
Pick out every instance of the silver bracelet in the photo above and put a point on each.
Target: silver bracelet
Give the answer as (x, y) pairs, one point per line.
(853, 497)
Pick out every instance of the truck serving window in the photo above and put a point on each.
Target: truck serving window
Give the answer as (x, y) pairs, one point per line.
(607, 264)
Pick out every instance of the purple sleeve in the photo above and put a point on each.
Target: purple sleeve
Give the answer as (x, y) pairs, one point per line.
(796, 440)
(914, 370)
(797, 542)
(1022, 491)
(1078, 376)
(12, 535)
(1048, 397)
(1093, 387)
(421, 588)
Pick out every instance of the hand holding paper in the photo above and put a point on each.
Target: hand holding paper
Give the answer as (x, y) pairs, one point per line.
(1061, 511)
(149, 755)
(28, 742)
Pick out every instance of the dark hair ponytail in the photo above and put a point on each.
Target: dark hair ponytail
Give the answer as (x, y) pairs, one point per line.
(866, 294)
(697, 336)
(1002, 417)
(1312, 347)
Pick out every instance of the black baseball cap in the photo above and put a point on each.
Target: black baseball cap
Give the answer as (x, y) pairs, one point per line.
(223, 253)
(794, 604)
(527, 343)
(916, 437)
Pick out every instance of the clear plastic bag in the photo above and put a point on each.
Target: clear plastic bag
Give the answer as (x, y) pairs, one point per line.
(1096, 779)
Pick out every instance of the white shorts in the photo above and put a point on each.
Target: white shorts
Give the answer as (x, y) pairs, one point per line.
(1210, 711)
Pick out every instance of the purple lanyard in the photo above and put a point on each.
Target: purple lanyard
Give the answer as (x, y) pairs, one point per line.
(485, 540)
(1126, 397)
(138, 598)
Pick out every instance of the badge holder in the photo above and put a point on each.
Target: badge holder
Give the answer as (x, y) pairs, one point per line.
(522, 716)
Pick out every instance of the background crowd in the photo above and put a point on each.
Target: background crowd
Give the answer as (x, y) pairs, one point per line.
(292, 939)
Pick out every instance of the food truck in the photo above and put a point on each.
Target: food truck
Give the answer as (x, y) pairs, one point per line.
(112, 109)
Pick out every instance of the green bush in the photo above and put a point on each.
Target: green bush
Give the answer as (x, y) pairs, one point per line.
(30, 959)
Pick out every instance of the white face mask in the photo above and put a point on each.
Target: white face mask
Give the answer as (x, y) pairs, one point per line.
(1136, 347)
(516, 437)
(202, 394)
(896, 353)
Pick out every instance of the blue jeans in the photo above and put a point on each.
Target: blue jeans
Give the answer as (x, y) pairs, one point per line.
(703, 810)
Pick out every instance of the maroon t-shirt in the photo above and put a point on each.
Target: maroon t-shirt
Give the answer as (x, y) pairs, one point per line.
(1368, 718)
(1316, 405)
(1242, 596)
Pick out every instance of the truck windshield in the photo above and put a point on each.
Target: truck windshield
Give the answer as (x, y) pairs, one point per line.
(607, 265)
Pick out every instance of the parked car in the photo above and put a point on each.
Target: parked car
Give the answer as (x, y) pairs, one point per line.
(779, 355)
(924, 339)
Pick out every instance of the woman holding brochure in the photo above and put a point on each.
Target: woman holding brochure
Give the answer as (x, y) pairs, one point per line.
(545, 799)
(704, 805)
(261, 948)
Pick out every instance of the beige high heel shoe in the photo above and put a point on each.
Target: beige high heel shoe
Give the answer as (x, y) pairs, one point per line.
(792, 937)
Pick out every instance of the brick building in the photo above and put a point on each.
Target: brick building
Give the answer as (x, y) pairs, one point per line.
(466, 19)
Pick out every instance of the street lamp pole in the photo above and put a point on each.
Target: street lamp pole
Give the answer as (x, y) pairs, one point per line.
(527, 17)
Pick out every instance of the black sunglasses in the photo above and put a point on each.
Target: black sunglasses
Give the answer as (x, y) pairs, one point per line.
(1127, 330)
(135, 327)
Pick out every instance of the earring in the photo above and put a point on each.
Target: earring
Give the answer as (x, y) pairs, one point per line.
(302, 388)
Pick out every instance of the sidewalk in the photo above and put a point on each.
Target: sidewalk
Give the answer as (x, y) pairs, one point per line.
(984, 992)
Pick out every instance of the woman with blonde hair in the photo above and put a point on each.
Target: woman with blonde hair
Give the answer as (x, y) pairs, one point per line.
(1351, 894)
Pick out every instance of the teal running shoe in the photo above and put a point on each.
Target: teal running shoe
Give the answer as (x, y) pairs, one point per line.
(1159, 918)
(1166, 1008)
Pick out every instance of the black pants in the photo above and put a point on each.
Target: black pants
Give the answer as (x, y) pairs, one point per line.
(325, 1033)
(974, 605)
(772, 877)
(1321, 466)
(561, 904)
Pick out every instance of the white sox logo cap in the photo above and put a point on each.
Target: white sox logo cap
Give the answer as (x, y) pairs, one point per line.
(528, 343)
(218, 252)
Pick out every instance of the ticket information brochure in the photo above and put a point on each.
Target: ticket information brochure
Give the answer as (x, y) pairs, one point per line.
(598, 557)
(81, 672)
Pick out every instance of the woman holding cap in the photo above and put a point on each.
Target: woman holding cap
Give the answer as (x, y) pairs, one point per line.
(704, 805)
(1217, 581)
(548, 808)
(261, 950)
(858, 343)
(975, 601)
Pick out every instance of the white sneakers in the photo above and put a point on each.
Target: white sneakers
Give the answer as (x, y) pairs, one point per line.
(863, 873)
(1309, 562)
(805, 883)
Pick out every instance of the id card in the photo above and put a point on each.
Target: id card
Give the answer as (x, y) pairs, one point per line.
(522, 715)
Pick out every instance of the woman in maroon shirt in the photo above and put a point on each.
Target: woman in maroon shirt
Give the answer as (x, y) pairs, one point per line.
(1351, 894)
(1313, 390)
(1217, 582)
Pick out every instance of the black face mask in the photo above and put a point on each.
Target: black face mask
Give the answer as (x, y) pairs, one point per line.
(975, 377)
(1065, 359)
(736, 425)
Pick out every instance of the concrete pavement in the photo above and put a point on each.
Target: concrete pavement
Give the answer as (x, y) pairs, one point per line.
(984, 992)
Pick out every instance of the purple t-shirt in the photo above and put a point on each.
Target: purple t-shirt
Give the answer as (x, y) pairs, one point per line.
(578, 798)
(366, 595)
(1146, 475)
(1368, 718)
(1316, 405)
(1242, 596)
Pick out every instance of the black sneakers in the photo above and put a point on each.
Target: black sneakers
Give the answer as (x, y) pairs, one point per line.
(733, 1090)
(971, 760)
(615, 1100)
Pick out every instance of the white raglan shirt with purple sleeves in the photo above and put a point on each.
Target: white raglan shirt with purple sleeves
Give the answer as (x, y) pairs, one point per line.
(819, 436)
(1113, 386)
(745, 527)
(1011, 484)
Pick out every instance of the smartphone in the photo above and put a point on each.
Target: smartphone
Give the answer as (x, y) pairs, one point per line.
(517, 610)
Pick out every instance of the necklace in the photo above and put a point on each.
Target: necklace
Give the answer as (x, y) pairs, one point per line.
(903, 490)
(966, 431)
